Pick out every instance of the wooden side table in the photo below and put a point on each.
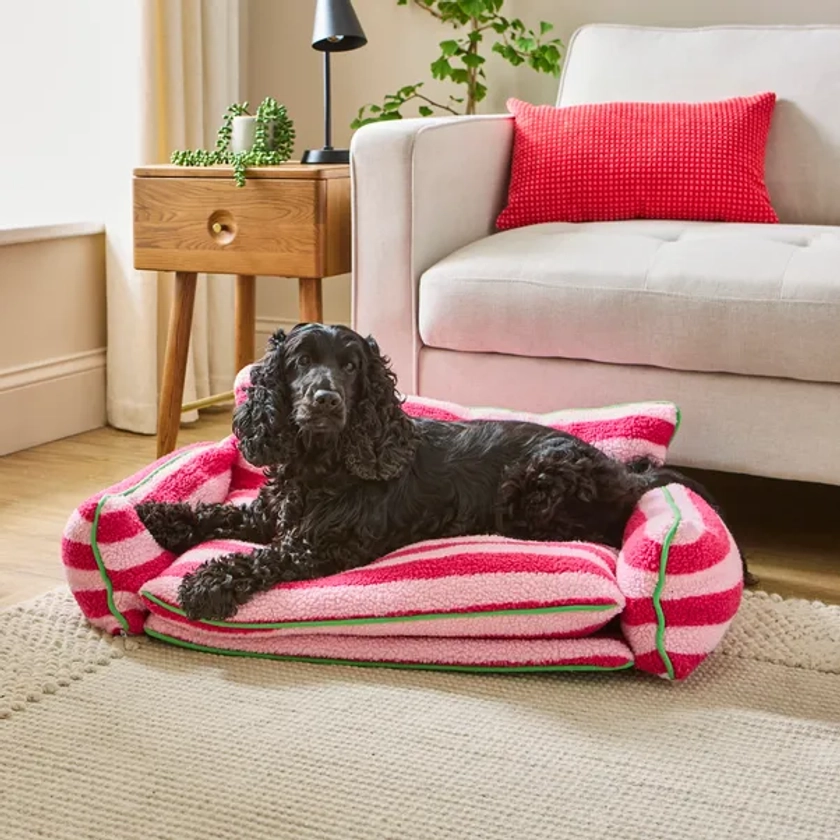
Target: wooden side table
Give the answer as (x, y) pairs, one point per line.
(287, 221)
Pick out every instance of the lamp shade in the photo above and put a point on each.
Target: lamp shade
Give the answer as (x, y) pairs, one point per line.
(337, 29)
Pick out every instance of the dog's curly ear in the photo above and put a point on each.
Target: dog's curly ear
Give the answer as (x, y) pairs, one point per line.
(381, 439)
(261, 423)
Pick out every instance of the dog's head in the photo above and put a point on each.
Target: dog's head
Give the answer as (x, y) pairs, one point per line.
(321, 392)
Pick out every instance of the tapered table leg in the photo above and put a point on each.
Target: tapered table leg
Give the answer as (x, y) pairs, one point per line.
(175, 364)
(309, 298)
(246, 320)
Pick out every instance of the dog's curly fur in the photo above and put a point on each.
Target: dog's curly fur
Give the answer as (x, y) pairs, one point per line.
(351, 477)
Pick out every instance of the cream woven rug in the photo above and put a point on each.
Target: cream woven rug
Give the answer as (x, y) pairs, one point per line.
(102, 738)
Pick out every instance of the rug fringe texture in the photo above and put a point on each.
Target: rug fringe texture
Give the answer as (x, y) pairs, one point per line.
(786, 631)
(46, 644)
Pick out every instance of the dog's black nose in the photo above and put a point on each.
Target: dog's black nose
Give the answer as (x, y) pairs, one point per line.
(327, 399)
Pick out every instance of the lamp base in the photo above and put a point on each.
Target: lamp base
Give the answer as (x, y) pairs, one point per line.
(323, 156)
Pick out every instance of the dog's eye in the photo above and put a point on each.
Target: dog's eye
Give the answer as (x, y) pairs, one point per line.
(349, 367)
(304, 361)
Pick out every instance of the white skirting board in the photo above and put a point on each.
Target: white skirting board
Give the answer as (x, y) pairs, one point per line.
(51, 399)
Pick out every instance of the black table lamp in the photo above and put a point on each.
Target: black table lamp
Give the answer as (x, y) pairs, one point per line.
(337, 29)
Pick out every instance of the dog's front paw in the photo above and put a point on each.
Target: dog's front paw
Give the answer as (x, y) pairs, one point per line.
(208, 594)
(173, 526)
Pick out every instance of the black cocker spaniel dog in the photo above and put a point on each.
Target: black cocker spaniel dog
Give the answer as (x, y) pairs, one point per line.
(351, 477)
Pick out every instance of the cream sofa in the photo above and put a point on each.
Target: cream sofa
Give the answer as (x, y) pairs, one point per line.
(737, 323)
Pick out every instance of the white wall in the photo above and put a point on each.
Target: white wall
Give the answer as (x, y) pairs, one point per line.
(568, 15)
(401, 44)
(69, 74)
(69, 138)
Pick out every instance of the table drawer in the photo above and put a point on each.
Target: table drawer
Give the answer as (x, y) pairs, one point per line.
(274, 227)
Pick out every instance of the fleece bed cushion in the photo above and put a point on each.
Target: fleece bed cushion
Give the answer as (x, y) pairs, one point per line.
(474, 604)
(482, 586)
(593, 653)
(678, 585)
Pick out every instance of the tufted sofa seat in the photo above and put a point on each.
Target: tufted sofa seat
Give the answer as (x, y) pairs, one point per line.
(747, 299)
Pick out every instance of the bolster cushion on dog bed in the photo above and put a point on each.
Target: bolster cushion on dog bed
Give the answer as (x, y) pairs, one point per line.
(477, 602)
(682, 575)
(625, 432)
(473, 586)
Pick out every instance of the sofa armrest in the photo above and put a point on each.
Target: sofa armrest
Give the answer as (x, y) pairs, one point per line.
(422, 188)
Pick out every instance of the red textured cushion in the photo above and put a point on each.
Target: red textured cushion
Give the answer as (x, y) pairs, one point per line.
(640, 160)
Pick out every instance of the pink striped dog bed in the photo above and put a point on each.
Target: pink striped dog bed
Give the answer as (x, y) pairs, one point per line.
(480, 603)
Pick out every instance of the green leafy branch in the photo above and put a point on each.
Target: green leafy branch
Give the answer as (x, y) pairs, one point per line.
(461, 61)
(274, 139)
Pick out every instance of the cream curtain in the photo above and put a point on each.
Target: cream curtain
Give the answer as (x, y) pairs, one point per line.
(189, 73)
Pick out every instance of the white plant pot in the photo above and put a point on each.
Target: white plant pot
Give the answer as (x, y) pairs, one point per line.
(243, 134)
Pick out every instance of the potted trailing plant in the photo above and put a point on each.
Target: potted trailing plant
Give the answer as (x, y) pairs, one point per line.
(477, 22)
(243, 140)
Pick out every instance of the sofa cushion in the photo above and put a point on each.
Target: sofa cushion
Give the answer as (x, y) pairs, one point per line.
(714, 297)
(614, 63)
(697, 161)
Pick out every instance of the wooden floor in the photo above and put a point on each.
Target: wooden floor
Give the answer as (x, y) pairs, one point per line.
(791, 531)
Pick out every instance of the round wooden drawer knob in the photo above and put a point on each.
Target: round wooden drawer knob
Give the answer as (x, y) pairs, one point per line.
(222, 227)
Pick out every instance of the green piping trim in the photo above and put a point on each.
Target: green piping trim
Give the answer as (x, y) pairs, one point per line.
(109, 587)
(408, 666)
(385, 619)
(660, 583)
(677, 423)
(94, 543)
